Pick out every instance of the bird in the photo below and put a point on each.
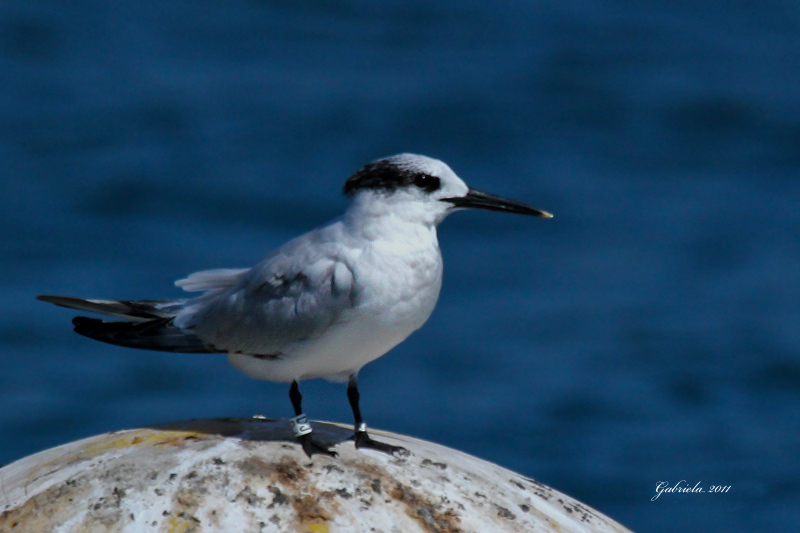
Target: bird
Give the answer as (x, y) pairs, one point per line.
(324, 304)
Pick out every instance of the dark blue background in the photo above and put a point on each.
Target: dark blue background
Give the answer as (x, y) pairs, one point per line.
(647, 333)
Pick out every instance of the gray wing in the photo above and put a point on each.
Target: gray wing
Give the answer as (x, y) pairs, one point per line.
(295, 294)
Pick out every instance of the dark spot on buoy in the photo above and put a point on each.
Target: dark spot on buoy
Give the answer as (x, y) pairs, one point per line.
(343, 493)
(333, 468)
(502, 512)
(428, 462)
(278, 497)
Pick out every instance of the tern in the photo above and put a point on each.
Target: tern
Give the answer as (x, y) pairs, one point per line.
(322, 305)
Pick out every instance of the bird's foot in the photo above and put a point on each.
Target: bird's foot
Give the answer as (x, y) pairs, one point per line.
(302, 430)
(363, 440)
(311, 446)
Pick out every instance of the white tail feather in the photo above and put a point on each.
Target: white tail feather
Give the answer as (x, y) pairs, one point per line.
(208, 280)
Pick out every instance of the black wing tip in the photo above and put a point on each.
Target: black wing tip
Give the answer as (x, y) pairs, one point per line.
(157, 335)
(84, 322)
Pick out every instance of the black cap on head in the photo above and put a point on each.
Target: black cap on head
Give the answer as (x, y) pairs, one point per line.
(387, 175)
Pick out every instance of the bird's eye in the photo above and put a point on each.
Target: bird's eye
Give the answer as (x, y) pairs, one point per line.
(426, 182)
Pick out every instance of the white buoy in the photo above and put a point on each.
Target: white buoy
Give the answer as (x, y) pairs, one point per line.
(237, 475)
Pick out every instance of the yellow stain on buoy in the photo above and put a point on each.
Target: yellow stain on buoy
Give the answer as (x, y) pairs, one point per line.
(318, 527)
(176, 524)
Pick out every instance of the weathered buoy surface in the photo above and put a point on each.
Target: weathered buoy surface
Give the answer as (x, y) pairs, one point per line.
(250, 475)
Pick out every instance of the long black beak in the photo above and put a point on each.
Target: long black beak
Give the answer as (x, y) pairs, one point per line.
(484, 200)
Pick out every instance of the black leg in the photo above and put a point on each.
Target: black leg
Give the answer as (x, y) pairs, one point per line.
(302, 428)
(297, 398)
(361, 437)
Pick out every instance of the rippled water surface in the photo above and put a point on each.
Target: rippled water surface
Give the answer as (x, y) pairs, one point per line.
(647, 333)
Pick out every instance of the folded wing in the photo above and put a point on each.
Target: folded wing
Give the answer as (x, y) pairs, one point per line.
(283, 300)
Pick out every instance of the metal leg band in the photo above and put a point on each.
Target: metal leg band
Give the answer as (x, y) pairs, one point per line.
(362, 428)
(300, 425)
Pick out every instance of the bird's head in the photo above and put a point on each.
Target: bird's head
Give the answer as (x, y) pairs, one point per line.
(422, 189)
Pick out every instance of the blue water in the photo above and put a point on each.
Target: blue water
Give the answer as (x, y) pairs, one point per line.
(649, 332)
